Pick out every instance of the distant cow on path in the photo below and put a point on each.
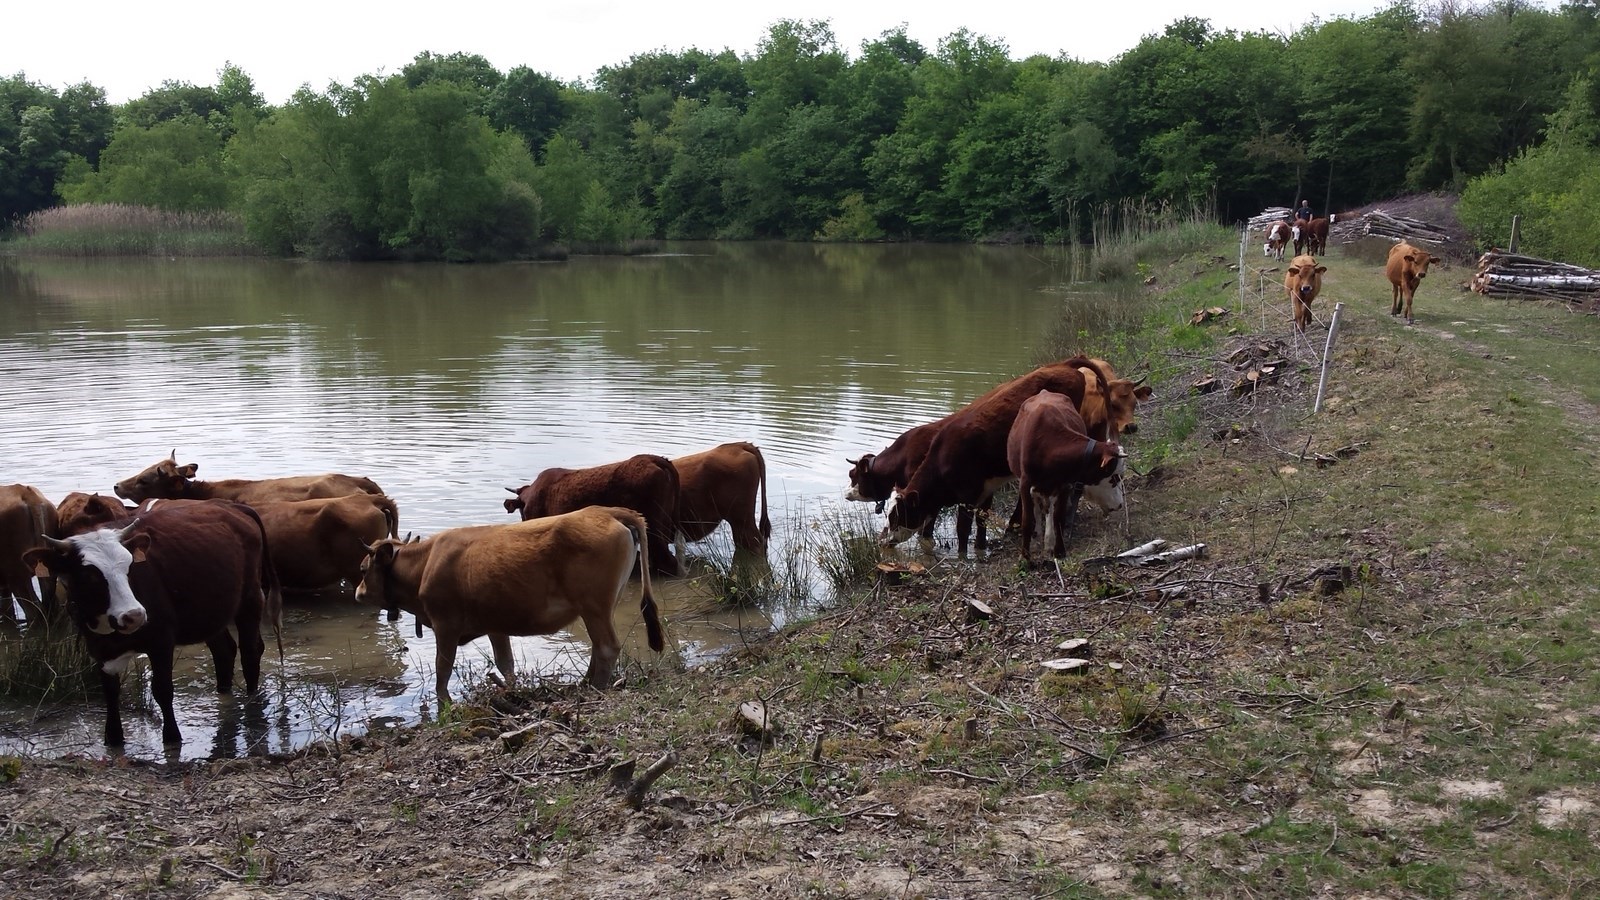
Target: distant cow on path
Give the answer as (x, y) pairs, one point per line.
(1406, 268)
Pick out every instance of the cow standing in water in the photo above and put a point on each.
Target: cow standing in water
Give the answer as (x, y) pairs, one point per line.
(177, 575)
(531, 577)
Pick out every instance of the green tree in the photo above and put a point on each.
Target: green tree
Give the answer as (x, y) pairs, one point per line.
(529, 103)
(174, 164)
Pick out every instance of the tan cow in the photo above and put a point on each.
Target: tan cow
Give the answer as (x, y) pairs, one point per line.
(166, 480)
(1303, 282)
(26, 519)
(1407, 267)
(79, 512)
(320, 543)
(720, 485)
(530, 577)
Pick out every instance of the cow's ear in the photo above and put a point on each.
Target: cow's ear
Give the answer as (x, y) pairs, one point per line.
(1109, 451)
(1294, 270)
(514, 504)
(1321, 269)
(1143, 392)
(1409, 257)
(139, 546)
(189, 470)
(1435, 260)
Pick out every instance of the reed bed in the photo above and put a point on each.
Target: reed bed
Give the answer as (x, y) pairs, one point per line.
(1131, 235)
(119, 229)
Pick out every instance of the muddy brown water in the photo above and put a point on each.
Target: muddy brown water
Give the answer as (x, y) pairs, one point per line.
(447, 384)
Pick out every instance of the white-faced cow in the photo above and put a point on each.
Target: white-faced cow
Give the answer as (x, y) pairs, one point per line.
(532, 577)
(166, 480)
(645, 482)
(177, 575)
(319, 544)
(1278, 237)
(1303, 282)
(26, 520)
(1406, 268)
(1050, 451)
(966, 462)
(721, 485)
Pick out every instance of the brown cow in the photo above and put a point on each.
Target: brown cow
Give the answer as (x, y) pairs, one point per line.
(647, 483)
(1051, 452)
(1109, 406)
(79, 512)
(720, 485)
(169, 481)
(1406, 268)
(1316, 236)
(875, 476)
(532, 577)
(1279, 234)
(174, 576)
(966, 463)
(26, 520)
(319, 543)
(1303, 282)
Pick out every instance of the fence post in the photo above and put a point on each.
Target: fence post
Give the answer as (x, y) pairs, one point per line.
(1516, 234)
(1244, 238)
(1327, 356)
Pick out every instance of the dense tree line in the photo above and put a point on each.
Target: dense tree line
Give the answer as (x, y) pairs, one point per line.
(453, 159)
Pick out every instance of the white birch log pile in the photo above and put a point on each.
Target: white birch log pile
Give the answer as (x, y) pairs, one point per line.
(1268, 216)
(1502, 274)
(1377, 223)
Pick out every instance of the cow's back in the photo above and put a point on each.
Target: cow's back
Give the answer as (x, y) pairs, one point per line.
(972, 444)
(295, 487)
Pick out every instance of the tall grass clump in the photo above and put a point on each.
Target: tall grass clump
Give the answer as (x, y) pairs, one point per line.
(46, 664)
(1129, 235)
(119, 229)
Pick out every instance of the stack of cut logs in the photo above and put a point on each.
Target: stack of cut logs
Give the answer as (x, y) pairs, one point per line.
(1503, 274)
(1268, 216)
(1381, 224)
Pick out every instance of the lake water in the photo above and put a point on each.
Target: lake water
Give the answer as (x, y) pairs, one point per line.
(447, 384)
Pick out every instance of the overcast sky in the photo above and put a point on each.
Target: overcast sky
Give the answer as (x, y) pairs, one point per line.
(128, 48)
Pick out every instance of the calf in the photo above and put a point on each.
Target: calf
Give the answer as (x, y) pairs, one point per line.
(27, 519)
(175, 575)
(320, 543)
(1406, 268)
(1303, 282)
(646, 483)
(166, 480)
(1279, 234)
(533, 577)
(720, 485)
(1050, 451)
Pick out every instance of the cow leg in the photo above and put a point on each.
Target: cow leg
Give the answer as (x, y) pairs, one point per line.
(161, 689)
(444, 660)
(1409, 319)
(662, 561)
(1058, 519)
(607, 647)
(502, 657)
(746, 536)
(111, 687)
(1025, 502)
(963, 528)
(223, 651)
(251, 648)
(1394, 303)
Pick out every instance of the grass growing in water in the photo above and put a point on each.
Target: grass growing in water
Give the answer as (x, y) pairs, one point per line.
(117, 229)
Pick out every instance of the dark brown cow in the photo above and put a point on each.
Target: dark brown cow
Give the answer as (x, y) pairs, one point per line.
(166, 480)
(1315, 233)
(320, 543)
(533, 577)
(721, 485)
(26, 519)
(176, 575)
(1050, 451)
(79, 512)
(1303, 282)
(645, 482)
(1406, 268)
(966, 463)
(875, 476)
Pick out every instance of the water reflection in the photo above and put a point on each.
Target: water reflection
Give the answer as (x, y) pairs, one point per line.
(448, 383)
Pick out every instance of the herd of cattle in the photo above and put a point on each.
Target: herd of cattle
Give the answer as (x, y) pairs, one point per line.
(1407, 266)
(173, 560)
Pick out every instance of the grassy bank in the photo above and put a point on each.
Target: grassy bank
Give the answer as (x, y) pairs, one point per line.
(1379, 681)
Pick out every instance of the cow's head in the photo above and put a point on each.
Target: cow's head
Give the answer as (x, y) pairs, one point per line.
(375, 570)
(1109, 406)
(1305, 277)
(906, 517)
(79, 512)
(93, 567)
(519, 500)
(1418, 262)
(1111, 463)
(861, 490)
(166, 479)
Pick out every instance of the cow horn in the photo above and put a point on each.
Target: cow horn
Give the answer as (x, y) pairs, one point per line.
(1140, 380)
(372, 548)
(853, 462)
(513, 492)
(57, 544)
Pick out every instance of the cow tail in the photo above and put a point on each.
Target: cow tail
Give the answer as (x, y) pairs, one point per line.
(271, 590)
(391, 514)
(647, 601)
(761, 466)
